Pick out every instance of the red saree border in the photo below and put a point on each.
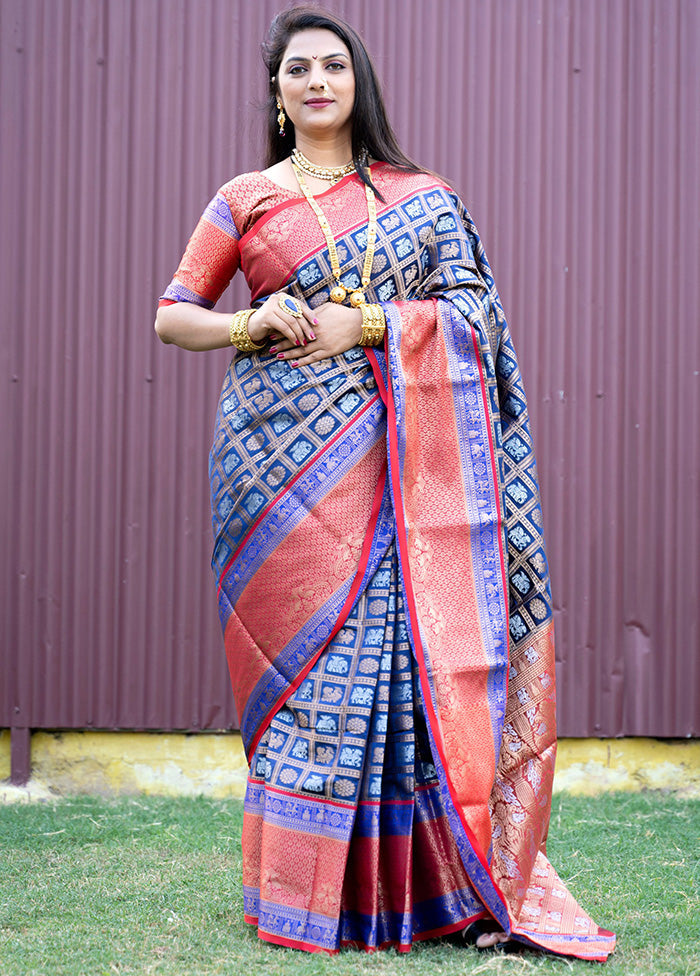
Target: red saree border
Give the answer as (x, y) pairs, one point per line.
(342, 616)
(401, 534)
(292, 482)
(400, 947)
(287, 943)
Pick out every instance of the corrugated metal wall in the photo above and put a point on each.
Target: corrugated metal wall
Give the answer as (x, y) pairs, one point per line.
(571, 128)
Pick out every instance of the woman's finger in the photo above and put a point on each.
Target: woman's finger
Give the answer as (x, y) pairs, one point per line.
(290, 349)
(284, 327)
(311, 320)
(282, 346)
(291, 328)
(303, 355)
(287, 320)
(302, 316)
(306, 358)
(294, 333)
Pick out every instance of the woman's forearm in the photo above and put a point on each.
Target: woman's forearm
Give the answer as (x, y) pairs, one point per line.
(191, 327)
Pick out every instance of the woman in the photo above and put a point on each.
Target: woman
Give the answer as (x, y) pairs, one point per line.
(383, 585)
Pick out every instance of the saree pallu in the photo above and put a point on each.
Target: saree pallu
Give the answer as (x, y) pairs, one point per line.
(384, 593)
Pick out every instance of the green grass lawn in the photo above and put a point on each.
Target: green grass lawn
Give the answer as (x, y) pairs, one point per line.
(152, 886)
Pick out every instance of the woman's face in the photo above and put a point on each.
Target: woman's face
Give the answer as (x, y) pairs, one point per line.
(317, 84)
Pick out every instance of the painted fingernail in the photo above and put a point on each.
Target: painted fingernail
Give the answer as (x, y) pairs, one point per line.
(311, 335)
(297, 342)
(315, 321)
(280, 355)
(294, 364)
(273, 348)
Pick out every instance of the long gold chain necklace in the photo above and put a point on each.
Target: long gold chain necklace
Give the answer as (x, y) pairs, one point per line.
(329, 174)
(339, 291)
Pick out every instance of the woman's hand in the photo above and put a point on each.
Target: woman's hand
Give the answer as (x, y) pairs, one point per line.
(336, 329)
(272, 319)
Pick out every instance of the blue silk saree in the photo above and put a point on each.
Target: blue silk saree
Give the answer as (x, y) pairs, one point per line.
(383, 585)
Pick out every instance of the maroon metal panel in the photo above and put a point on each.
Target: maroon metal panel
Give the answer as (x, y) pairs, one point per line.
(571, 129)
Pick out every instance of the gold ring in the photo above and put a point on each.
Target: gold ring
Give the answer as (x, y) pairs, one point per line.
(291, 306)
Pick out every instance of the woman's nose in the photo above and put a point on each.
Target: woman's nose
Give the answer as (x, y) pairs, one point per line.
(317, 78)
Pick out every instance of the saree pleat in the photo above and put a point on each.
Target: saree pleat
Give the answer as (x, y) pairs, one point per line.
(355, 728)
(383, 587)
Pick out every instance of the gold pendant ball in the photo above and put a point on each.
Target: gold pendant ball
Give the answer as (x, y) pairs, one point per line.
(338, 294)
(357, 298)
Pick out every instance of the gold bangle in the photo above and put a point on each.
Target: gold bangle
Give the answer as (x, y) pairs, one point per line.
(373, 325)
(238, 332)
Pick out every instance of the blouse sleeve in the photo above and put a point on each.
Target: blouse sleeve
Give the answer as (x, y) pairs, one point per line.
(211, 258)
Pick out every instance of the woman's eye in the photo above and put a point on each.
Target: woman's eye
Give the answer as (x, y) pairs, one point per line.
(335, 65)
(296, 69)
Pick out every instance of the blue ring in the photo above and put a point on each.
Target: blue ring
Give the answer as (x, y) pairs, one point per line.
(292, 306)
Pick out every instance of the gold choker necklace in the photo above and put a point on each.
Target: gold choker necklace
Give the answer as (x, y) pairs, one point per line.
(329, 174)
(339, 291)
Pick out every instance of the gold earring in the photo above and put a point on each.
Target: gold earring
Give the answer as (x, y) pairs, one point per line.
(281, 117)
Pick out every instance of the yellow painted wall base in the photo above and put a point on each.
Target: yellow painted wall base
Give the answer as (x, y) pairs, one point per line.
(4, 753)
(171, 764)
(163, 764)
(590, 766)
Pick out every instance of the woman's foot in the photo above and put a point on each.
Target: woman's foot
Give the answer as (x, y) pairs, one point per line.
(487, 940)
(485, 934)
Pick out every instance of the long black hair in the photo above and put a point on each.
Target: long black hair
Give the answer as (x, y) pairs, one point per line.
(372, 134)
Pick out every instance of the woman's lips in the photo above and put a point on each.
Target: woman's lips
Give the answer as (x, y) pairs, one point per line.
(319, 102)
